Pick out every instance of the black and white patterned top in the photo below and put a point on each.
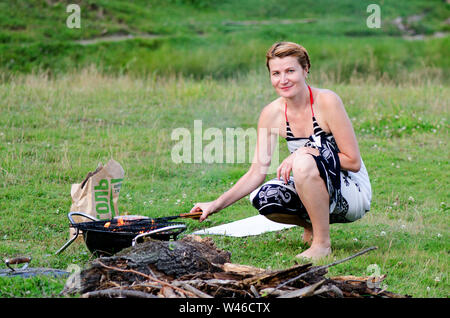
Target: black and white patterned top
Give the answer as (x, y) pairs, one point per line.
(330, 170)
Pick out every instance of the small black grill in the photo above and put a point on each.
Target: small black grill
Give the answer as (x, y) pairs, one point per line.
(107, 237)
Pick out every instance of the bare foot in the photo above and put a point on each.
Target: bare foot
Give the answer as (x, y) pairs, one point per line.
(307, 236)
(315, 252)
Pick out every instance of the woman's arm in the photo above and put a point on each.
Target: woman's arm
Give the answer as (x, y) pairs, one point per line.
(341, 127)
(267, 137)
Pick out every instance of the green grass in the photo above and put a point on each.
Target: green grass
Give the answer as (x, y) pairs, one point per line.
(202, 39)
(55, 130)
(24, 21)
(65, 107)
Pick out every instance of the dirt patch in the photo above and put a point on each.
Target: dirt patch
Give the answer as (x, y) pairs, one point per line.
(268, 22)
(405, 25)
(117, 38)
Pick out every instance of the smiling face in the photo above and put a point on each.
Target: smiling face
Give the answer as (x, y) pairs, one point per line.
(287, 76)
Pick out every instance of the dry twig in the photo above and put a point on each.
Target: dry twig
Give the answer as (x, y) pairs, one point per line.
(318, 268)
(146, 276)
(112, 293)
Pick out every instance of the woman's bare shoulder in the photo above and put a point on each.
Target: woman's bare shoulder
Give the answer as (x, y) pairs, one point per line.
(328, 98)
(271, 114)
(328, 107)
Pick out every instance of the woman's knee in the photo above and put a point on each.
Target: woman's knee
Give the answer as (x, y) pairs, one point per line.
(304, 167)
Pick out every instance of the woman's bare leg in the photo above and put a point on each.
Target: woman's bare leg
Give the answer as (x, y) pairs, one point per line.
(295, 220)
(314, 196)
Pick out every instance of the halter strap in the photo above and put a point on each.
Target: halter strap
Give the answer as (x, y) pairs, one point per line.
(311, 99)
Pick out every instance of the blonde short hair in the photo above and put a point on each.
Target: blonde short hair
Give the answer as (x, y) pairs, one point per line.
(283, 49)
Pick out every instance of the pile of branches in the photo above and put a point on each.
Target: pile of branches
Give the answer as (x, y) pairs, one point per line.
(194, 268)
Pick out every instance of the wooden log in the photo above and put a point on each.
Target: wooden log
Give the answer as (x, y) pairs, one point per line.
(168, 292)
(272, 278)
(303, 292)
(335, 291)
(195, 291)
(167, 260)
(242, 269)
(117, 293)
(357, 279)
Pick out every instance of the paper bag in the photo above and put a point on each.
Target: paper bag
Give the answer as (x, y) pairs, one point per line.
(98, 194)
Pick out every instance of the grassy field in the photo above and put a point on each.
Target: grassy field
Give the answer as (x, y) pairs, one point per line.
(66, 106)
(55, 131)
(211, 38)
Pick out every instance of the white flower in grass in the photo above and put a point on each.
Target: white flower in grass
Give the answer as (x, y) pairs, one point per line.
(439, 235)
(382, 233)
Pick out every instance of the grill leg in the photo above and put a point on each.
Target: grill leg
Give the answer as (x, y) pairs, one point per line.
(68, 242)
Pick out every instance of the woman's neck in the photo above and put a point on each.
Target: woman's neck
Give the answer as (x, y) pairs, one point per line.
(300, 101)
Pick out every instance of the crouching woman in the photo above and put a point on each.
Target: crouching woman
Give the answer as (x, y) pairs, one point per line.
(323, 180)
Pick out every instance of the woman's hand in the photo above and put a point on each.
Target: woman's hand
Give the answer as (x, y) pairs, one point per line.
(285, 168)
(206, 208)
